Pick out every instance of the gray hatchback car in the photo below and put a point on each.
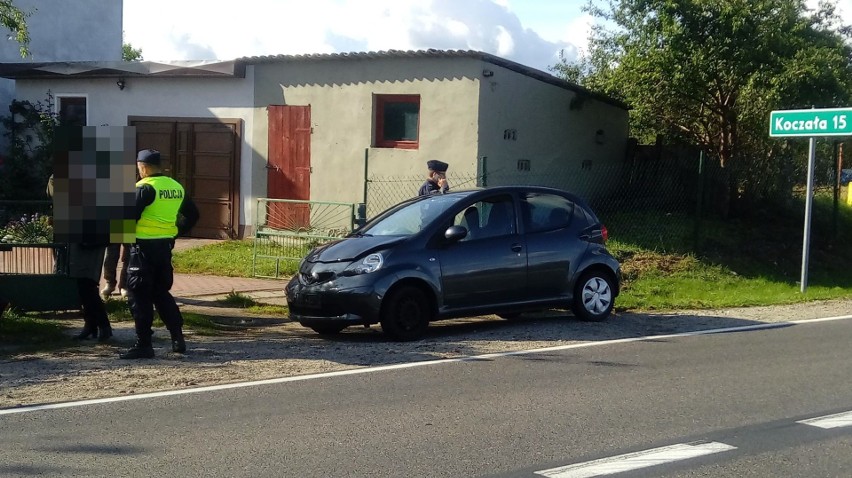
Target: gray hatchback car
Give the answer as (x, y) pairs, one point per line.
(502, 250)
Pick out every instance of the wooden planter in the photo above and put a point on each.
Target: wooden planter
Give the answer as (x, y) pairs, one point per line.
(26, 259)
(28, 282)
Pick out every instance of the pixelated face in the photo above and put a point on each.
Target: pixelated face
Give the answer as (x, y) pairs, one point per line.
(94, 184)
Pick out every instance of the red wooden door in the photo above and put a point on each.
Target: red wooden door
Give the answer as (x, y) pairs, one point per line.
(289, 168)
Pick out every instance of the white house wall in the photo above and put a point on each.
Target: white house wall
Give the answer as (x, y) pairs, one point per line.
(560, 143)
(342, 118)
(225, 98)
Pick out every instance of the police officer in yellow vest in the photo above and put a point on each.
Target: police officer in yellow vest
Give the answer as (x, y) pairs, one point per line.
(162, 213)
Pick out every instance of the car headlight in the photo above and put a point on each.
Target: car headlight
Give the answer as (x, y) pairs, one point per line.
(371, 263)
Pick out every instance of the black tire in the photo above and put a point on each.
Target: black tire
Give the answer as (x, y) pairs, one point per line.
(594, 296)
(328, 329)
(406, 314)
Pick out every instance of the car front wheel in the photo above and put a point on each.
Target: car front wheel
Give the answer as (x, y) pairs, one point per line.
(406, 313)
(593, 297)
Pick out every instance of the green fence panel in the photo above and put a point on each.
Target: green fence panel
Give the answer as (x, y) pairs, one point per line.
(286, 230)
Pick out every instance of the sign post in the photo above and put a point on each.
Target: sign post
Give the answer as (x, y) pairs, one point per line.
(810, 123)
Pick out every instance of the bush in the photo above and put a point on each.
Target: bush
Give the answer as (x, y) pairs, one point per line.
(32, 229)
(30, 129)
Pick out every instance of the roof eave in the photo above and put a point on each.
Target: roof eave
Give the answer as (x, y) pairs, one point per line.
(124, 69)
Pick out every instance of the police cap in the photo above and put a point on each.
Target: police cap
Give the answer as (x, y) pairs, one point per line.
(149, 156)
(439, 166)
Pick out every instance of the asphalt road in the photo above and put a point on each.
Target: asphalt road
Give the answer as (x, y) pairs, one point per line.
(728, 404)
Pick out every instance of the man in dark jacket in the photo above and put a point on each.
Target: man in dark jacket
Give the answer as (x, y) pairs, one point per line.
(162, 213)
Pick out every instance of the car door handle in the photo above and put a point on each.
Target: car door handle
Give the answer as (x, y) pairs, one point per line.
(516, 248)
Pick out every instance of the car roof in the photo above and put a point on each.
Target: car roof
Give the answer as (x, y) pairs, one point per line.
(519, 189)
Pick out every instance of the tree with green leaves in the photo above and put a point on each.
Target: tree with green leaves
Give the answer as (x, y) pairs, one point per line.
(128, 53)
(708, 72)
(15, 20)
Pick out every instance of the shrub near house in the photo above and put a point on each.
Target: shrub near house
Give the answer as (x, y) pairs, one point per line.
(28, 229)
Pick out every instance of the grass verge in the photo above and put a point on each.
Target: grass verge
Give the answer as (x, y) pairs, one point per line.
(22, 332)
(242, 301)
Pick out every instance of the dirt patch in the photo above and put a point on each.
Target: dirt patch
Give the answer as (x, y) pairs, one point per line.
(269, 348)
(643, 262)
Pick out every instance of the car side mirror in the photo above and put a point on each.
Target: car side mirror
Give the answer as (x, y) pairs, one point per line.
(455, 233)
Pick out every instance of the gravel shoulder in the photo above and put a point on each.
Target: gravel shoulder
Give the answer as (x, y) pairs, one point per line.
(261, 347)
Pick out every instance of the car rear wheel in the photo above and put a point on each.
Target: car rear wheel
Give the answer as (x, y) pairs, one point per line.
(328, 329)
(406, 313)
(593, 297)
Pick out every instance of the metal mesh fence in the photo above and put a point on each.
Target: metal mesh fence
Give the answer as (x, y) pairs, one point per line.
(286, 230)
(664, 200)
(628, 197)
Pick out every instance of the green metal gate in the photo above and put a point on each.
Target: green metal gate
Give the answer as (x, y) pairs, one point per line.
(33, 270)
(287, 229)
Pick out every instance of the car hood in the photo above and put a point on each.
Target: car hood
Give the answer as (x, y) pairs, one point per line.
(351, 248)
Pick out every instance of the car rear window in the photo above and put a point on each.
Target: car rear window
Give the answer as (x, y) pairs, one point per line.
(546, 212)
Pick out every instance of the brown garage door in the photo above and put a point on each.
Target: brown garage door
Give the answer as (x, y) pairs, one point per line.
(204, 156)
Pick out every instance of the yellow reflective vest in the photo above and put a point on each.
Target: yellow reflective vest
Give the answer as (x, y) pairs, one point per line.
(159, 219)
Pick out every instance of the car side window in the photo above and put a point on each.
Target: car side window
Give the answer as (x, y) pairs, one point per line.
(546, 212)
(469, 219)
(491, 217)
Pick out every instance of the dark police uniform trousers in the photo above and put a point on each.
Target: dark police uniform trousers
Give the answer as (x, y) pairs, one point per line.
(149, 278)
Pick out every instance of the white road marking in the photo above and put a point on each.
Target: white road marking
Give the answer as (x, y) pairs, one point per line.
(837, 420)
(357, 371)
(637, 460)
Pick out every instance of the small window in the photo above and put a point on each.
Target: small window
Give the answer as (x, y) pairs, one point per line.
(72, 110)
(398, 121)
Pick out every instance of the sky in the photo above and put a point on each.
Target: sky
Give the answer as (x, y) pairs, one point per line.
(530, 32)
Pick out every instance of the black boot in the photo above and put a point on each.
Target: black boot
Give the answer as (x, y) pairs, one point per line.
(88, 332)
(104, 333)
(178, 343)
(139, 351)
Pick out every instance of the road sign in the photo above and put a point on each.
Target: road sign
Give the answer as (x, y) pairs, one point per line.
(812, 122)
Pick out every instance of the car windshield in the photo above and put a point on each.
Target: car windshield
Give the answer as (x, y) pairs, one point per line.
(411, 218)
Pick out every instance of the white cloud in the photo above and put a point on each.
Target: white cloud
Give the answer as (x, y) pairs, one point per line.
(577, 31)
(505, 42)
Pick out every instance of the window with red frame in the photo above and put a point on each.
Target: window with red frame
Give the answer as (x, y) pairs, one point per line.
(398, 121)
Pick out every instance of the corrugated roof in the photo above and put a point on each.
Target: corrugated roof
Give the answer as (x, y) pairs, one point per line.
(432, 53)
(236, 68)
